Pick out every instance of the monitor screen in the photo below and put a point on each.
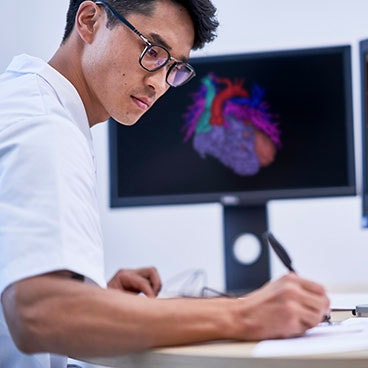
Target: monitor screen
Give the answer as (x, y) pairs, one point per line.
(248, 128)
(364, 102)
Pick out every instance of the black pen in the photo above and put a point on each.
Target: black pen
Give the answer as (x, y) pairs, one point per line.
(269, 238)
(279, 250)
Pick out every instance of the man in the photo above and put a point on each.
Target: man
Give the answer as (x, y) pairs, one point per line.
(117, 58)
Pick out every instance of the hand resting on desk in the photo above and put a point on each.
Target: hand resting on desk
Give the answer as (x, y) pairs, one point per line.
(142, 280)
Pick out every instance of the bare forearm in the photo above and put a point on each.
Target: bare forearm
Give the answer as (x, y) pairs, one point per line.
(72, 318)
(63, 316)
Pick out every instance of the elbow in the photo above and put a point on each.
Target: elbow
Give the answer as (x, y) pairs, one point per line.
(22, 320)
(24, 343)
(24, 340)
(22, 333)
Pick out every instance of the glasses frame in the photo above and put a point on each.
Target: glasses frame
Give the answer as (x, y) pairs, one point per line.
(150, 45)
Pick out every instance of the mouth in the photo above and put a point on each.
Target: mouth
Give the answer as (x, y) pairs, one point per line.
(143, 103)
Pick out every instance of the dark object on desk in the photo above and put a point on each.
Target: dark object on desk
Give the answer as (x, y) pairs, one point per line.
(361, 310)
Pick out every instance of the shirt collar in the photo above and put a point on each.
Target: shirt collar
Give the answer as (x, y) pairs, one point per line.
(64, 89)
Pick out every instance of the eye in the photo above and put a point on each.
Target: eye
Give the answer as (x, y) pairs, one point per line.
(152, 52)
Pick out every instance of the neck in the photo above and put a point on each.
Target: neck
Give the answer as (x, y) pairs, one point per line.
(67, 61)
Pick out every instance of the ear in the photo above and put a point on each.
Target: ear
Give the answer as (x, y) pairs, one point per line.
(88, 19)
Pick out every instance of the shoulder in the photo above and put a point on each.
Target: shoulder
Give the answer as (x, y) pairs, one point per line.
(34, 92)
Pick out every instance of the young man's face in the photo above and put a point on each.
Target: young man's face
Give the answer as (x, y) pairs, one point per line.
(117, 84)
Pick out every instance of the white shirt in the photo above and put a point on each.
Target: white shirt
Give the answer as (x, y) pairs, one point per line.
(48, 207)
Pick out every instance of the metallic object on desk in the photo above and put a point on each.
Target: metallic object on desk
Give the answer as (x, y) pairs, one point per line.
(361, 310)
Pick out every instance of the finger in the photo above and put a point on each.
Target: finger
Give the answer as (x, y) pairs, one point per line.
(312, 286)
(317, 304)
(128, 280)
(143, 285)
(315, 297)
(320, 302)
(152, 275)
(116, 281)
(313, 293)
(300, 318)
(310, 319)
(308, 294)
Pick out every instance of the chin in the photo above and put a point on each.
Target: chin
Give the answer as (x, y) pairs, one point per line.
(125, 121)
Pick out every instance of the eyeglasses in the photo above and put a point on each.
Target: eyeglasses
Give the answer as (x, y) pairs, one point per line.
(155, 57)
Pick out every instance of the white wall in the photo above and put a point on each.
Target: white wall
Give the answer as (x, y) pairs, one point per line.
(323, 236)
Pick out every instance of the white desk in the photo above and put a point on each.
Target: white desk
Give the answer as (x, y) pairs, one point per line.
(229, 355)
(232, 355)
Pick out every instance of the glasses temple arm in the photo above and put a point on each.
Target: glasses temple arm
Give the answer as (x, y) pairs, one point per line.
(122, 19)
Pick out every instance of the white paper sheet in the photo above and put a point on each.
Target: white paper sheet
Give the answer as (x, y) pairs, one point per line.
(349, 335)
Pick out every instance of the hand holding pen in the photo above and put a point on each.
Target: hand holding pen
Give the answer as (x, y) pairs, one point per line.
(280, 251)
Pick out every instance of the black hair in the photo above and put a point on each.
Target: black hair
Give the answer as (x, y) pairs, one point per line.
(202, 13)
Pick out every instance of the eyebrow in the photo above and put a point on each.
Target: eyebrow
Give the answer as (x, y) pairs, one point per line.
(156, 38)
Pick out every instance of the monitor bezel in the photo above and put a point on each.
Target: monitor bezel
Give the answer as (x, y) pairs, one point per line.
(363, 54)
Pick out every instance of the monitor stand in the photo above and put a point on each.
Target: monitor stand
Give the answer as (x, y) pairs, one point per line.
(247, 265)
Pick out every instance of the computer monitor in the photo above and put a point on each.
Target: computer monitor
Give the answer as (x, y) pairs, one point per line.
(249, 128)
(364, 101)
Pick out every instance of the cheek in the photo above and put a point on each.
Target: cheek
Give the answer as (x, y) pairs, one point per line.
(104, 76)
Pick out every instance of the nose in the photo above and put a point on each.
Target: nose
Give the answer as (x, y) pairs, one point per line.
(157, 80)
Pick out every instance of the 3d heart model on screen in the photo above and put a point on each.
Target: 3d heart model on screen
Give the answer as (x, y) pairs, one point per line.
(232, 124)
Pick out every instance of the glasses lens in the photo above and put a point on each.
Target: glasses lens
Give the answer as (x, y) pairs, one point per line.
(154, 57)
(179, 74)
